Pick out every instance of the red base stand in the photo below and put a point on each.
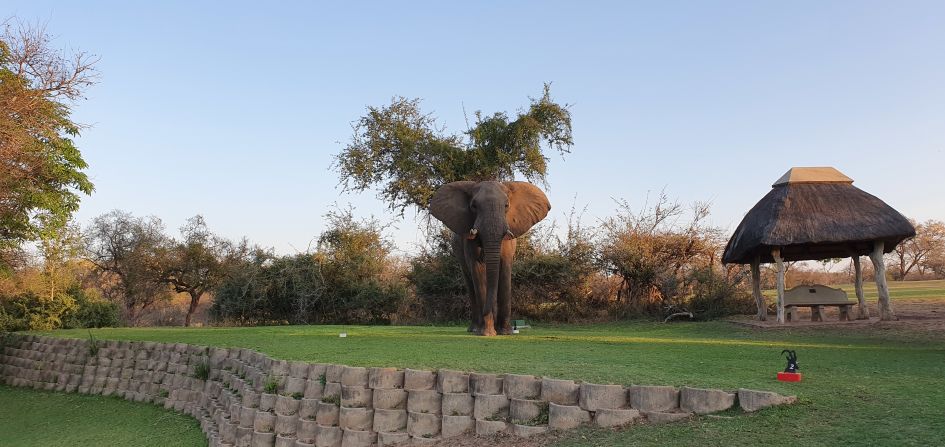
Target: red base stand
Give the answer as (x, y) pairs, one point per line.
(789, 377)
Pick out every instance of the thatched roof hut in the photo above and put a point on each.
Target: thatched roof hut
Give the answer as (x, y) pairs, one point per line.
(814, 214)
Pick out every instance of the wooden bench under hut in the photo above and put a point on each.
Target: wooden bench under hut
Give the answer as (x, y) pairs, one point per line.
(816, 214)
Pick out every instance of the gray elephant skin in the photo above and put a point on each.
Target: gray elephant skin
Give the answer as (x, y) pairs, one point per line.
(485, 218)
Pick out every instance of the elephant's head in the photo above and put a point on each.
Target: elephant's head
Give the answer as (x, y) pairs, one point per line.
(489, 212)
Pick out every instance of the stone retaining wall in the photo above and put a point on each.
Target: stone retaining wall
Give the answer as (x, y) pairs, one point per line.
(230, 391)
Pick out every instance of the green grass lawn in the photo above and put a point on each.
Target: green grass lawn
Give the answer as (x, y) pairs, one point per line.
(43, 418)
(862, 386)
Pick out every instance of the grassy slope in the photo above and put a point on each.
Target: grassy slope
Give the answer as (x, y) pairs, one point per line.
(42, 418)
(861, 387)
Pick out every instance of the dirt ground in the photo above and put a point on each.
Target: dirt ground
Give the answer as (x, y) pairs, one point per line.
(917, 318)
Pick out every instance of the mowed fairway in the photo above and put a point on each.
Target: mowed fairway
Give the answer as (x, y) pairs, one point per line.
(863, 385)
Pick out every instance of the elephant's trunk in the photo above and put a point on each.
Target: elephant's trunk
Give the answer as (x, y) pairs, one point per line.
(491, 257)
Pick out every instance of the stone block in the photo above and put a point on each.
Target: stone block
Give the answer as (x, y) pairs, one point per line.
(328, 436)
(357, 438)
(263, 439)
(356, 396)
(751, 400)
(704, 401)
(485, 383)
(385, 439)
(287, 405)
(390, 399)
(594, 397)
(332, 389)
(424, 401)
(457, 404)
(450, 381)
(385, 378)
(415, 379)
(457, 425)
(561, 392)
(285, 441)
(524, 410)
(316, 371)
(518, 386)
(306, 431)
(355, 418)
(566, 417)
(389, 420)
(286, 425)
(247, 416)
(267, 402)
(354, 376)
(491, 428)
(308, 409)
(491, 406)
(298, 369)
(294, 385)
(313, 389)
(327, 414)
(615, 418)
(264, 422)
(244, 436)
(654, 398)
(333, 373)
(423, 424)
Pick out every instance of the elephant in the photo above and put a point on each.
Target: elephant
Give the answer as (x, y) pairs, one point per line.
(485, 218)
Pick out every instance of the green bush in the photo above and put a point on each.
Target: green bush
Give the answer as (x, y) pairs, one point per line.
(717, 295)
(91, 312)
(438, 282)
(346, 280)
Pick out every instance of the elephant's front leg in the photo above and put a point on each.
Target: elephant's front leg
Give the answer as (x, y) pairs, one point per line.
(504, 314)
(475, 309)
(475, 273)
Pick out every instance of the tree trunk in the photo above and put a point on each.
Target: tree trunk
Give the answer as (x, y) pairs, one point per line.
(194, 300)
(863, 311)
(885, 309)
(756, 289)
(776, 254)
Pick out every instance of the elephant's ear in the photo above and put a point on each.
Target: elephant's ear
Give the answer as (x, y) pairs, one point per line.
(450, 205)
(527, 206)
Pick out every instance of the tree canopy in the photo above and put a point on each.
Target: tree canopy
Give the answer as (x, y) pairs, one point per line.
(410, 155)
(41, 169)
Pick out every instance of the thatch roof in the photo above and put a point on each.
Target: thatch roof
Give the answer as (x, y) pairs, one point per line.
(815, 213)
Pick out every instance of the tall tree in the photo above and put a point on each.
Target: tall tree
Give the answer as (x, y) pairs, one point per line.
(41, 169)
(198, 263)
(913, 253)
(405, 149)
(126, 250)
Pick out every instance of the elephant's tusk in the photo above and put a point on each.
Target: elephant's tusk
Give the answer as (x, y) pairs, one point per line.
(472, 234)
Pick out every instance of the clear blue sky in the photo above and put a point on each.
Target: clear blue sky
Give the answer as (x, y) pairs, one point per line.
(234, 110)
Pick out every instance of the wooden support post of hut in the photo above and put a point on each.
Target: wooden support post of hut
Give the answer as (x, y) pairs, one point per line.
(816, 214)
(776, 254)
(879, 271)
(863, 312)
(756, 289)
